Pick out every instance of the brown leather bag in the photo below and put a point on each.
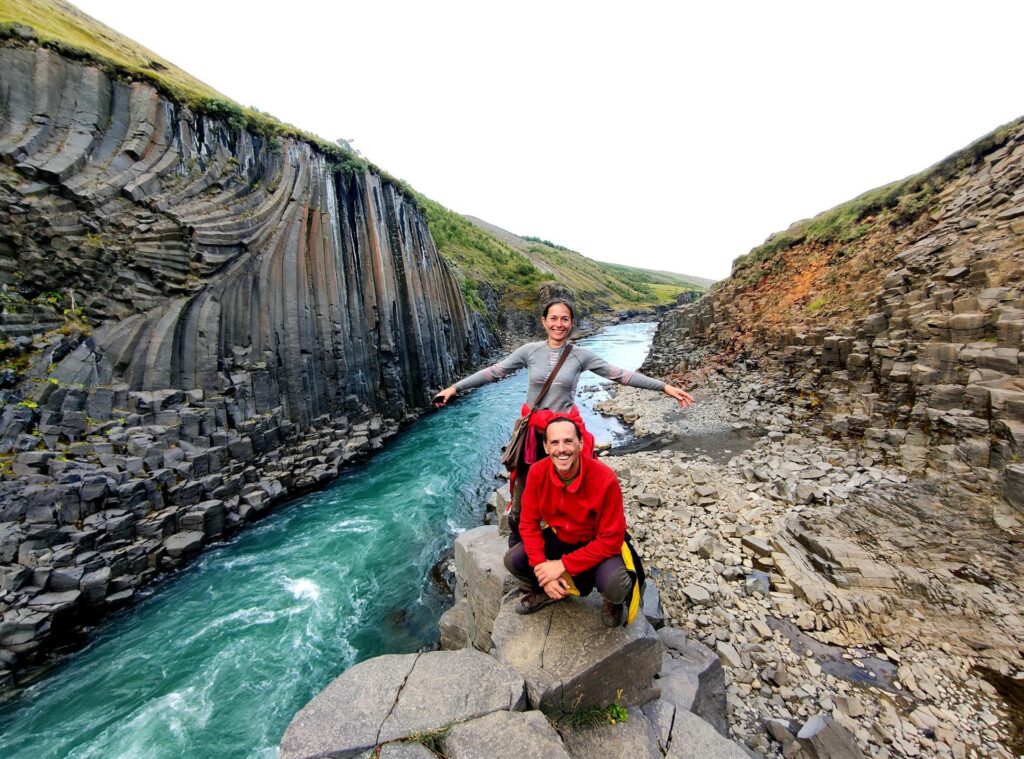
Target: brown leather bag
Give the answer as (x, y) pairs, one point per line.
(515, 449)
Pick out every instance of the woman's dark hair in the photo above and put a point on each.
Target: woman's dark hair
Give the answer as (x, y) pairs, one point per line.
(559, 301)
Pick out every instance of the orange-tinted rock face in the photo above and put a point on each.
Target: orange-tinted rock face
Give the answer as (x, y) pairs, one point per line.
(909, 331)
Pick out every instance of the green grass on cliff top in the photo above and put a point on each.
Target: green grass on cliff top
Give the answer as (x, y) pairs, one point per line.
(64, 28)
(903, 200)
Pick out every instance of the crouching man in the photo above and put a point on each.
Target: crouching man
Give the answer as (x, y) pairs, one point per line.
(573, 526)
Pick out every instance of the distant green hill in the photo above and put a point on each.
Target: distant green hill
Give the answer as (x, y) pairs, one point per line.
(596, 285)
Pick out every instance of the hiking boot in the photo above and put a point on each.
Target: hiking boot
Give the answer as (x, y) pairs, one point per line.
(532, 601)
(611, 614)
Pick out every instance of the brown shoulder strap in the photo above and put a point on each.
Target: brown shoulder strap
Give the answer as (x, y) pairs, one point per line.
(551, 377)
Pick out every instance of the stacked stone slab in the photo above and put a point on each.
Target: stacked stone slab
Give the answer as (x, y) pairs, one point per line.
(257, 318)
(932, 375)
(530, 696)
(95, 526)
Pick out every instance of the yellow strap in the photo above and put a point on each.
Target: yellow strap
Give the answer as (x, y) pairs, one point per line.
(634, 601)
(570, 585)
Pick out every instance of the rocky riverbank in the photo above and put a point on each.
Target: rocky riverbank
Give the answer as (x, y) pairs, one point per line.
(140, 498)
(556, 683)
(832, 585)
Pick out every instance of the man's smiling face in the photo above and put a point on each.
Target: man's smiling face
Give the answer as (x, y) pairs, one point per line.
(563, 446)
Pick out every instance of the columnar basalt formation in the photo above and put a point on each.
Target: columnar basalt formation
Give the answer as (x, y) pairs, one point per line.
(929, 368)
(194, 317)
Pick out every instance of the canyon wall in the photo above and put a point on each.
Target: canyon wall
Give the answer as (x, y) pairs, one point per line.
(904, 334)
(196, 320)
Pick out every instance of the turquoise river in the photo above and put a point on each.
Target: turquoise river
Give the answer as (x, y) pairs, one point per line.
(215, 661)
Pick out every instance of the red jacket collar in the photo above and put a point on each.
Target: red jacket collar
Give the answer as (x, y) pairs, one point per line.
(574, 486)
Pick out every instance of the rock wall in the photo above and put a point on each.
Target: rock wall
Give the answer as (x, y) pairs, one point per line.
(196, 320)
(932, 374)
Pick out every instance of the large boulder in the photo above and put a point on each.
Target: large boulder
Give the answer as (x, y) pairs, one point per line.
(504, 735)
(184, 545)
(390, 698)
(693, 738)
(571, 661)
(692, 678)
(483, 579)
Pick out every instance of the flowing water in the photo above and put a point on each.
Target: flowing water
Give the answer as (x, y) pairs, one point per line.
(216, 661)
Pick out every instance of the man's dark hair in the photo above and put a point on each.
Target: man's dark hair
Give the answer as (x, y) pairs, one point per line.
(579, 433)
(559, 301)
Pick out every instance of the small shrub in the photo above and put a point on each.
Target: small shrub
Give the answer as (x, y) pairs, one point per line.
(815, 305)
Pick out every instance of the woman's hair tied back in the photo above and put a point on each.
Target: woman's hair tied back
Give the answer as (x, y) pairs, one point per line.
(556, 302)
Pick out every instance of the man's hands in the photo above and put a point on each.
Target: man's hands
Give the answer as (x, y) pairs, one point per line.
(549, 575)
(547, 571)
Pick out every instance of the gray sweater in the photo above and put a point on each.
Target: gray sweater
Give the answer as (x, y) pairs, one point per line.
(539, 360)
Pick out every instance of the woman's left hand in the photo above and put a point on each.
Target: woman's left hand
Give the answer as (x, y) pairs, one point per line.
(683, 397)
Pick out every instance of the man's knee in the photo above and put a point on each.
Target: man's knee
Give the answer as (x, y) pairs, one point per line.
(518, 565)
(618, 586)
(510, 559)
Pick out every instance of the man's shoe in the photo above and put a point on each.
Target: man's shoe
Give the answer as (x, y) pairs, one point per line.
(611, 614)
(532, 601)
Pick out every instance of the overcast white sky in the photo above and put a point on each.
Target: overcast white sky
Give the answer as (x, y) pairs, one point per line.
(668, 135)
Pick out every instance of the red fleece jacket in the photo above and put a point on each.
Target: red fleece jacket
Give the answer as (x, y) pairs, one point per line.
(587, 510)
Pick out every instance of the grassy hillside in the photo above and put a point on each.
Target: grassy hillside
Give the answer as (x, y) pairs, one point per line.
(895, 205)
(613, 286)
(63, 27)
(482, 261)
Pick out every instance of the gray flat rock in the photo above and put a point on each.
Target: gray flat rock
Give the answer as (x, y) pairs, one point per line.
(635, 738)
(451, 686)
(390, 698)
(479, 565)
(823, 737)
(56, 602)
(406, 750)
(661, 715)
(504, 735)
(692, 678)
(693, 738)
(570, 660)
(184, 543)
(348, 713)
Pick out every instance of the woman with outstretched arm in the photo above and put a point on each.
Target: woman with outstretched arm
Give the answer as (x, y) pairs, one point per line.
(540, 358)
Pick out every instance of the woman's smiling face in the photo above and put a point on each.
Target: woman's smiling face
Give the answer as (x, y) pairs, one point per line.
(558, 322)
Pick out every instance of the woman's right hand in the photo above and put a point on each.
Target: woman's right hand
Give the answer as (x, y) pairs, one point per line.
(443, 396)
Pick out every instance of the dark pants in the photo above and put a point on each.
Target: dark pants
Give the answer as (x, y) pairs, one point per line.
(518, 486)
(610, 576)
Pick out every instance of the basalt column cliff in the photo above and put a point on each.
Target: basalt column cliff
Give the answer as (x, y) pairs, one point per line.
(195, 319)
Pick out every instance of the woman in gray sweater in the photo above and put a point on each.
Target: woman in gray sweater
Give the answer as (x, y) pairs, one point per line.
(539, 359)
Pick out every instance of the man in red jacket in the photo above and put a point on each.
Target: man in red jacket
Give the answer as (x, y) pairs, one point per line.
(579, 502)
